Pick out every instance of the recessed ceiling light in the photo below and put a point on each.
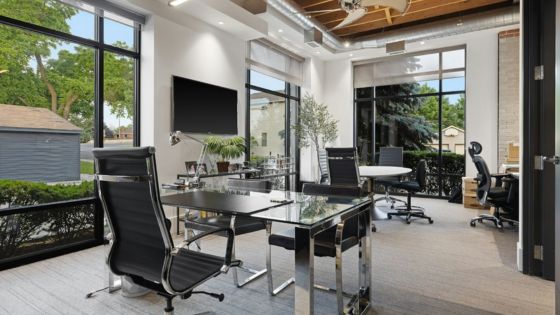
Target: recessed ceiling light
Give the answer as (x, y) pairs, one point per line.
(221, 23)
(422, 42)
(280, 30)
(460, 22)
(346, 44)
(175, 3)
(317, 52)
(351, 55)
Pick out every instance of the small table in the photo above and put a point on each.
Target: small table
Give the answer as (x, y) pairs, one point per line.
(372, 172)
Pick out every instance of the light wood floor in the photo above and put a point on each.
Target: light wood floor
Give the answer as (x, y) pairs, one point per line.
(444, 268)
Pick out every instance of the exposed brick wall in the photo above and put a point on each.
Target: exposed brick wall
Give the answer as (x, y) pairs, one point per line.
(508, 94)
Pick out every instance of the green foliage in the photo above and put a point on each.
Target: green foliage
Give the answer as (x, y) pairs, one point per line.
(452, 114)
(226, 148)
(316, 126)
(23, 193)
(86, 167)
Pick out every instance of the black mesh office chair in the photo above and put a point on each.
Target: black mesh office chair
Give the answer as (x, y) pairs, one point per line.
(241, 225)
(141, 245)
(502, 196)
(329, 243)
(412, 187)
(390, 156)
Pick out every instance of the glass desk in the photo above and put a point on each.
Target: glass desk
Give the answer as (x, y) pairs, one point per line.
(309, 215)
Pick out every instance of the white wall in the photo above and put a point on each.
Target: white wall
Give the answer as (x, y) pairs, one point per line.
(314, 77)
(205, 54)
(481, 89)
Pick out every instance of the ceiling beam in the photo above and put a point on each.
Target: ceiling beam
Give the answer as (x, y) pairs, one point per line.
(388, 16)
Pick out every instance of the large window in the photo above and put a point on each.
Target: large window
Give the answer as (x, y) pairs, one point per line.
(67, 85)
(272, 109)
(416, 102)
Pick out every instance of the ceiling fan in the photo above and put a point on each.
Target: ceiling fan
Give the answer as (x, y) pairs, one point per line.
(358, 8)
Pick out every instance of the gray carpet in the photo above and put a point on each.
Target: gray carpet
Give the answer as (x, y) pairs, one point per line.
(444, 268)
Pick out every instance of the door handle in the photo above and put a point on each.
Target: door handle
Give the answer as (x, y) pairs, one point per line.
(539, 161)
(552, 159)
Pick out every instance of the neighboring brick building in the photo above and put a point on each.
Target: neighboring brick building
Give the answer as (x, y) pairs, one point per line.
(508, 91)
(38, 145)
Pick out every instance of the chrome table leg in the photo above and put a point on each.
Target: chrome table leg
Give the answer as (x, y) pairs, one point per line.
(304, 254)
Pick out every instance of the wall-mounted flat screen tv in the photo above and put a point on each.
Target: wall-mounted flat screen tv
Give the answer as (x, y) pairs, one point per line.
(200, 107)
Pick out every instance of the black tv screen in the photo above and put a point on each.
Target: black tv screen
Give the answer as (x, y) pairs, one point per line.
(203, 108)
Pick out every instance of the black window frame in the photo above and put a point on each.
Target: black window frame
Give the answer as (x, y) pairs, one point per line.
(439, 94)
(288, 123)
(100, 47)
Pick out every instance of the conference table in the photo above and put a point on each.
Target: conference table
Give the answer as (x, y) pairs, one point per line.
(308, 214)
(373, 172)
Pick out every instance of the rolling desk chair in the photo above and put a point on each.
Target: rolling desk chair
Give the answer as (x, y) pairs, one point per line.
(329, 243)
(501, 197)
(390, 156)
(242, 224)
(141, 245)
(412, 187)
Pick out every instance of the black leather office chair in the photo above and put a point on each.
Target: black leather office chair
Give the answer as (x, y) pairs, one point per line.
(241, 225)
(502, 196)
(141, 245)
(344, 170)
(329, 243)
(323, 167)
(390, 156)
(412, 187)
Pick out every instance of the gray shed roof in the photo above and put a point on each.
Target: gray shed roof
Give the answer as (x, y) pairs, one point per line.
(26, 117)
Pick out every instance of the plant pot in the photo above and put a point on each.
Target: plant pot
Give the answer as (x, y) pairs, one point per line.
(222, 166)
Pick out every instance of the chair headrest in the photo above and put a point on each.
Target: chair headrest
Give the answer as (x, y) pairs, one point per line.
(475, 149)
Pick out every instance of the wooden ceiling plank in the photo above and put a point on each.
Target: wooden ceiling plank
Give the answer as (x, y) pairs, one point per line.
(415, 14)
(316, 3)
(365, 27)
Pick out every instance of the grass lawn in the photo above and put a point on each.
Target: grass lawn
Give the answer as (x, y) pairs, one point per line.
(86, 167)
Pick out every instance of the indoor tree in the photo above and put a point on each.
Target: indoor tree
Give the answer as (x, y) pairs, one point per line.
(316, 126)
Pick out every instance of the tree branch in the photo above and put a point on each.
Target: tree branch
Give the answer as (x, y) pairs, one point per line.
(68, 104)
(50, 87)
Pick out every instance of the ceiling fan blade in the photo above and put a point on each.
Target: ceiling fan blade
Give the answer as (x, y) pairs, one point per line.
(352, 17)
(399, 5)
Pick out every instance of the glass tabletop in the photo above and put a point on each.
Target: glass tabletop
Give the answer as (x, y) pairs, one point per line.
(301, 210)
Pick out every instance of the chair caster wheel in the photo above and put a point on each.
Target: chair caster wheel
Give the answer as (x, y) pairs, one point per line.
(374, 229)
(407, 221)
(479, 220)
(431, 221)
(389, 216)
(473, 224)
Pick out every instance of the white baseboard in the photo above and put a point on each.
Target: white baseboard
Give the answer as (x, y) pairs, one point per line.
(519, 257)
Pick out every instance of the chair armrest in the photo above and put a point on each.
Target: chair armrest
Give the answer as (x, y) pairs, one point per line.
(500, 178)
(229, 246)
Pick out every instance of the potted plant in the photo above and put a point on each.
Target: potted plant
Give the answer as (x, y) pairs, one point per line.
(316, 126)
(225, 149)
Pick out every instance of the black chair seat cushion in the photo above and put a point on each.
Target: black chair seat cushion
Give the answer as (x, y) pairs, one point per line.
(187, 269)
(498, 193)
(190, 267)
(324, 242)
(409, 186)
(243, 224)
